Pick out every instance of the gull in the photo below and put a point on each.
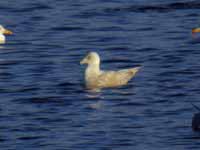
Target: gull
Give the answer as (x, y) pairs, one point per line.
(4, 32)
(195, 30)
(95, 78)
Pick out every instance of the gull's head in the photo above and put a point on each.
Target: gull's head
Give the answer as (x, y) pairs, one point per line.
(91, 59)
(195, 30)
(5, 31)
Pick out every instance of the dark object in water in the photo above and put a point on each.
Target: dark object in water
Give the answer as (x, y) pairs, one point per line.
(196, 120)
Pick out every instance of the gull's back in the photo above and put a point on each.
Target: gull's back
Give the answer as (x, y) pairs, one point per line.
(115, 78)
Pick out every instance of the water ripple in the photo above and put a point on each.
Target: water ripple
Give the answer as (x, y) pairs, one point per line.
(158, 8)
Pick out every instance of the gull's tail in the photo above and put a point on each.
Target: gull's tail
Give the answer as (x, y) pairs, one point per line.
(134, 70)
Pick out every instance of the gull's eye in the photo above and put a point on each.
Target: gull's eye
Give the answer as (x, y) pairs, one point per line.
(89, 57)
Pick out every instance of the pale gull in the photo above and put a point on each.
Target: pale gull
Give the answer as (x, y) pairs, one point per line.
(95, 78)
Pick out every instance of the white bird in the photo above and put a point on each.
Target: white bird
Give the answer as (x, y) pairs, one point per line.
(4, 32)
(97, 79)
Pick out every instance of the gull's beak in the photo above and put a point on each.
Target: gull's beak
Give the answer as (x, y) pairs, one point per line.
(84, 61)
(7, 32)
(195, 30)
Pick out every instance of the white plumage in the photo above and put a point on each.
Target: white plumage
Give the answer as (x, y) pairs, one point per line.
(96, 78)
(4, 32)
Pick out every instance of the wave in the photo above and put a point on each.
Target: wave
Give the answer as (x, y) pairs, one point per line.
(157, 7)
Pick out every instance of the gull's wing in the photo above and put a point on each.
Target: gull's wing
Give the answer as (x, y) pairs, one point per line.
(116, 78)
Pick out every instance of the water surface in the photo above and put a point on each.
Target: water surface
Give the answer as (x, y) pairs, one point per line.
(44, 104)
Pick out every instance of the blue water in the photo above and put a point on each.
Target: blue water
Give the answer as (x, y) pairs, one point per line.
(43, 102)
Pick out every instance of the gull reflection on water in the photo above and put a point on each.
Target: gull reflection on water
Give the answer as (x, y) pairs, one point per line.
(97, 105)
